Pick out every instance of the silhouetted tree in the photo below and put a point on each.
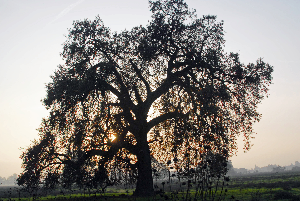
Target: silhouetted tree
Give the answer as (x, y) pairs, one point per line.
(167, 91)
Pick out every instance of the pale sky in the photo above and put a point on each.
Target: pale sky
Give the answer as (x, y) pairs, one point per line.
(31, 37)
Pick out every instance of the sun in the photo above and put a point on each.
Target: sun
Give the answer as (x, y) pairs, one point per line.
(112, 137)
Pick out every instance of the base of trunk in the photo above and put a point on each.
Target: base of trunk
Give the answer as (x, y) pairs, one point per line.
(143, 193)
(144, 185)
(144, 190)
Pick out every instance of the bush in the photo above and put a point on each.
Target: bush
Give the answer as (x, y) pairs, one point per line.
(287, 188)
(285, 195)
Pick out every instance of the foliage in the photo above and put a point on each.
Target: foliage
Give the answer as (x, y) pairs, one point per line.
(166, 91)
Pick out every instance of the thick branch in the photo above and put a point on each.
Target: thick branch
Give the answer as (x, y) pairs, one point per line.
(137, 95)
(139, 74)
(123, 95)
(162, 89)
(164, 117)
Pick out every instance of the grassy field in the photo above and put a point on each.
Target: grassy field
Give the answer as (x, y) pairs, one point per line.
(266, 186)
(251, 187)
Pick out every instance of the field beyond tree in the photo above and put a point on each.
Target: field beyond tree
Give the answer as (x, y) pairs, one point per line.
(259, 186)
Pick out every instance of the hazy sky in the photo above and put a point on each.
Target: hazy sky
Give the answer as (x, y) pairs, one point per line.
(31, 37)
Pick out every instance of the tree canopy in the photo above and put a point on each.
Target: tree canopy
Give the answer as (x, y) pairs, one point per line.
(166, 92)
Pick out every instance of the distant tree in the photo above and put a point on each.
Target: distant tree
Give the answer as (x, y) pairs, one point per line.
(11, 180)
(296, 169)
(242, 171)
(2, 181)
(167, 91)
(278, 169)
(230, 168)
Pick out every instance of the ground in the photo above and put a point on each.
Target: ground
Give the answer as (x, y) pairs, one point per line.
(260, 186)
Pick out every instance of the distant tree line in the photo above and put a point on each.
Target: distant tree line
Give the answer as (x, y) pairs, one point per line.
(10, 181)
(269, 168)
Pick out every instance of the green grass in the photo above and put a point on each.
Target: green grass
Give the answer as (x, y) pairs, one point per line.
(268, 186)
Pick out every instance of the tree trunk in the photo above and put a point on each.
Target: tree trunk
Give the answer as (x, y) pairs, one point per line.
(144, 186)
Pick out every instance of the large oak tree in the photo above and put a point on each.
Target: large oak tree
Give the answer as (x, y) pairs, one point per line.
(166, 92)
